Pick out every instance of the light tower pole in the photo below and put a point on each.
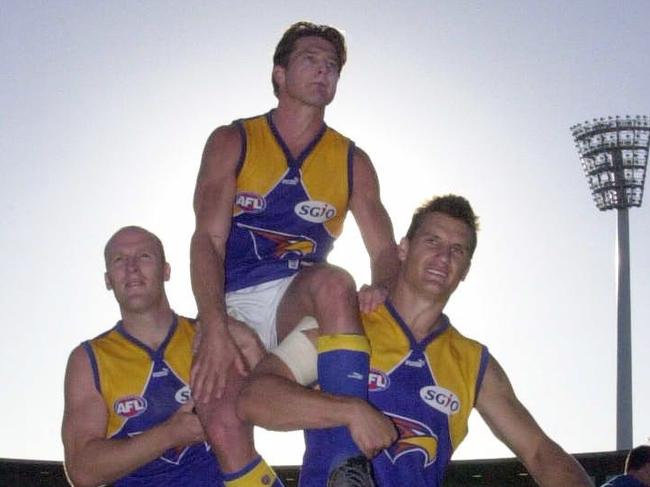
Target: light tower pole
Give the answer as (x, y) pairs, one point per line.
(614, 156)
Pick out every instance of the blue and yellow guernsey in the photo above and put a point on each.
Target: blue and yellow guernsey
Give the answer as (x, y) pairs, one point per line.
(142, 388)
(428, 388)
(287, 211)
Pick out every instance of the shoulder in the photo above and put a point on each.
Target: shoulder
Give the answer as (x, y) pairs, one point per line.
(221, 154)
(79, 356)
(224, 137)
(382, 329)
(365, 184)
(466, 355)
(376, 317)
(185, 323)
(457, 337)
(185, 319)
(79, 370)
(360, 157)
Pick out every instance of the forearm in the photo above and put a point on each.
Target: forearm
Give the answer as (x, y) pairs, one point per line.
(207, 275)
(278, 404)
(551, 466)
(384, 267)
(100, 461)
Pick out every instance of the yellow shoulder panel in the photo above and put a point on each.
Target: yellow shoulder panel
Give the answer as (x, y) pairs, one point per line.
(118, 357)
(264, 162)
(325, 175)
(178, 353)
(457, 360)
(388, 342)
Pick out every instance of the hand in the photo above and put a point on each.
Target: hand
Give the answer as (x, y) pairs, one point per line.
(185, 427)
(371, 430)
(216, 353)
(371, 296)
(248, 341)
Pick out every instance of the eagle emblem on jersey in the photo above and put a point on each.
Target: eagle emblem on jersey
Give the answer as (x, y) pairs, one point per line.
(280, 245)
(414, 437)
(173, 455)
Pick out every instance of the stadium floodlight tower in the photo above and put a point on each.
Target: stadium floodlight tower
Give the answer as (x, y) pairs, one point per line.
(614, 155)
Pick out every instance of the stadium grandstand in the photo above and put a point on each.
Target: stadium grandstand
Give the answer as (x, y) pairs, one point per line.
(505, 472)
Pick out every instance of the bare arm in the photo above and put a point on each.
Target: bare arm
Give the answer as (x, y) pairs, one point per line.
(509, 420)
(213, 202)
(273, 400)
(376, 230)
(90, 458)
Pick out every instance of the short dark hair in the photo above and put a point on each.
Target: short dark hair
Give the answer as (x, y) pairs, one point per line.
(637, 458)
(451, 205)
(153, 236)
(307, 29)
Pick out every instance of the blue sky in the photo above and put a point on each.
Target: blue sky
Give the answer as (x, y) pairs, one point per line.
(106, 107)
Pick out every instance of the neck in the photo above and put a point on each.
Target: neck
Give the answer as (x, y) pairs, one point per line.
(422, 316)
(297, 121)
(150, 326)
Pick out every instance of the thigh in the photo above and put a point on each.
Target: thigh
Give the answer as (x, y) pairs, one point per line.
(325, 292)
(257, 306)
(296, 303)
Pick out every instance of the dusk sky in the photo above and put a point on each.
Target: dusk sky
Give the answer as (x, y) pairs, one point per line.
(105, 108)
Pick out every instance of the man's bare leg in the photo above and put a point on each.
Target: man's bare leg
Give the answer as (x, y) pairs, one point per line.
(329, 294)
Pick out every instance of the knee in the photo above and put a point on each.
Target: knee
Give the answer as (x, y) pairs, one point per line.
(333, 287)
(248, 341)
(221, 425)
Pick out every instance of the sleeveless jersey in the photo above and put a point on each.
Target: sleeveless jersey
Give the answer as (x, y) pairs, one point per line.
(428, 388)
(142, 388)
(287, 211)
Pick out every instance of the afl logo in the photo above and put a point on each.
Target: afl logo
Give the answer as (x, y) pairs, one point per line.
(315, 211)
(441, 399)
(377, 381)
(250, 202)
(130, 406)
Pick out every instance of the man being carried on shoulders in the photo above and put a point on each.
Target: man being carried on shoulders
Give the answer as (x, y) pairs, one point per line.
(271, 197)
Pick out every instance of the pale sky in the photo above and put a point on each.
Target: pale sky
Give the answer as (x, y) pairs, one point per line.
(105, 107)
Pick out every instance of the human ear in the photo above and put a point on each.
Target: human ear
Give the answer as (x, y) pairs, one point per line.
(107, 281)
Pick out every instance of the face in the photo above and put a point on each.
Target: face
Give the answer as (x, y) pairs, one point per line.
(437, 257)
(311, 74)
(135, 271)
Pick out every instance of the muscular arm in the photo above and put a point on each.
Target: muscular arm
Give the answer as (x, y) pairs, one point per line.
(273, 400)
(213, 202)
(509, 420)
(376, 230)
(90, 458)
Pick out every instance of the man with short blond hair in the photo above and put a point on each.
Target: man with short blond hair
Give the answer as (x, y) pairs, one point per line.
(128, 417)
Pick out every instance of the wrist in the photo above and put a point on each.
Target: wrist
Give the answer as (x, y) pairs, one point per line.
(212, 322)
(167, 432)
(351, 409)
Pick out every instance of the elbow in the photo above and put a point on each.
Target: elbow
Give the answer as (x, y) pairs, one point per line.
(549, 465)
(254, 406)
(80, 476)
